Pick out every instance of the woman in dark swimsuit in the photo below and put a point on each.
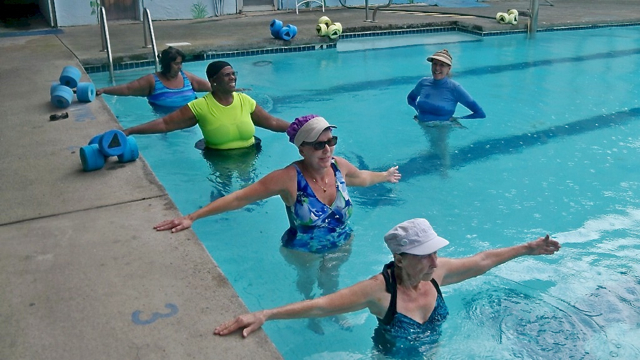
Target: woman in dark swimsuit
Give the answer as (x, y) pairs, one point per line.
(406, 296)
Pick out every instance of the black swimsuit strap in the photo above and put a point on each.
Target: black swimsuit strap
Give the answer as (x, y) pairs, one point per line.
(435, 285)
(389, 275)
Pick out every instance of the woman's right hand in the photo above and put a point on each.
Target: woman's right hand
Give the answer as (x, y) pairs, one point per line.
(175, 225)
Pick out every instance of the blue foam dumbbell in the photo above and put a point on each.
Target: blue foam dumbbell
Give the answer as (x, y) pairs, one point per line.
(112, 142)
(275, 27)
(91, 157)
(70, 77)
(102, 146)
(86, 92)
(288, 32)
(131, 152)
(61, 95)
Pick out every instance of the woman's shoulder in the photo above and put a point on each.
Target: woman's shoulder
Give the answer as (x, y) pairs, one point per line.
(288, 171)
(242, 95)
(453, 83)
(149, 78)
(376, 284)
(339, 160)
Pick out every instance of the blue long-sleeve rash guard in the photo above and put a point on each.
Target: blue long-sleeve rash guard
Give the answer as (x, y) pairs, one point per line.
(436, 100)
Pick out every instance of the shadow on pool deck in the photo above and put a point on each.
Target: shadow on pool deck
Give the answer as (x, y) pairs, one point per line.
(83, 275)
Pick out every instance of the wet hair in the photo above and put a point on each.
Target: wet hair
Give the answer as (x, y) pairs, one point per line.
(167, 56)
(214, 68)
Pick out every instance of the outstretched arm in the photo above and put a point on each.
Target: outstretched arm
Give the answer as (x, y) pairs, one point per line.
(275, 183)
(139, 87)
(451, 271)
(180, 119)
(356, 177)
(263, 119)
(199, 84)
(353, 298)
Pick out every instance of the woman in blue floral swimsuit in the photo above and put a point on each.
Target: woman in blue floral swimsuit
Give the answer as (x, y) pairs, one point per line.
(314, 190)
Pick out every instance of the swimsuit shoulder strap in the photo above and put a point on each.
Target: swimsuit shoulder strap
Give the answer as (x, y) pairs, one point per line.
(187, 82)
(301, 181)
(435, 284)
(389, 275)
(158, 85)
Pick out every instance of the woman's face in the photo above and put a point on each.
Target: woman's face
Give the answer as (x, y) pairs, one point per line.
(176, 66)
(439, 69)
(225, 80)
(318, 158)
(420, 266)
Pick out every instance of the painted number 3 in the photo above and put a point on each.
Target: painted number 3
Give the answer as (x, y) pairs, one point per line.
(135, 316)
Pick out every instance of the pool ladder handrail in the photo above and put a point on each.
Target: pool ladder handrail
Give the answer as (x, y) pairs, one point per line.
(147, 26)
(366, 9)
(532, 27)
(106, 43)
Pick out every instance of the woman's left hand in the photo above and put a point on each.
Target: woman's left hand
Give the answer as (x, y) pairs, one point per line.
(393, 175)
(543, 246)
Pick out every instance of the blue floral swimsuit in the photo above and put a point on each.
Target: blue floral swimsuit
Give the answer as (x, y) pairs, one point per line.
(314, 226)
(397, 332)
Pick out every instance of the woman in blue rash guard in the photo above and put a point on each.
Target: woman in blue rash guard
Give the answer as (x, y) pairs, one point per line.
(405, 297)
(166, 90)
(435, 99)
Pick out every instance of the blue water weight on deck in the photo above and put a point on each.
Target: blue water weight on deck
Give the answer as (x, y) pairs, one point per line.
(61, 96)
(86, 92)
(275, 27)
(112, 143)
(288, 32)
(70, 77)
(279, 31)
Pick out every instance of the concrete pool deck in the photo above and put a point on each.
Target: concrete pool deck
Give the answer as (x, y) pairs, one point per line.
(82, 274)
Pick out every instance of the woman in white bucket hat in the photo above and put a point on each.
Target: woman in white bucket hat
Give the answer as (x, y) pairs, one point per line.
(405, 297)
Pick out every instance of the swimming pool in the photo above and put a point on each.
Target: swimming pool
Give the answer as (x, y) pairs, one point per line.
(558, 153)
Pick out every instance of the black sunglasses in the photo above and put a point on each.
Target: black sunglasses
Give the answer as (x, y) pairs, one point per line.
(319, 145)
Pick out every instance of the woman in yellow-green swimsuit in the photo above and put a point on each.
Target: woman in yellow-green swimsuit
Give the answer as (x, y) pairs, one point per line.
(227, 118)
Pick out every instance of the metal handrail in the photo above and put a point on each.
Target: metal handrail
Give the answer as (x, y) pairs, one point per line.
(533, 19)
(147, 25)
(366, 9)
(375, 11)
(106, 44)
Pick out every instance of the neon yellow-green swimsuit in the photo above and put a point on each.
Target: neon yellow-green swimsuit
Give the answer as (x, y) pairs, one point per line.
(225, 127)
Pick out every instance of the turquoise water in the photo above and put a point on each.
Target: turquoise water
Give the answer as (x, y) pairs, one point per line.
(558, 154)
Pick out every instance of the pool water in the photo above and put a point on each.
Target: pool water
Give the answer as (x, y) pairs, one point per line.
(558, 153)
